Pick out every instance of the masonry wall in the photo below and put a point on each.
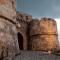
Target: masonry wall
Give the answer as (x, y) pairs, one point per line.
(8, 35)
(43, 35)
(8, 9)
(22, 28)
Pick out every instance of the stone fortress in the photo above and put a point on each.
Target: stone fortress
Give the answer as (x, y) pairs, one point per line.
(37, 35)
(19, 31)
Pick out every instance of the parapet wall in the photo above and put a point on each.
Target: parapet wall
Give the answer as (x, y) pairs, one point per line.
(43, 26)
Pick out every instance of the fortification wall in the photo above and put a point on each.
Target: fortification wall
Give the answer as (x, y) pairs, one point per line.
(7, 9)
(22, 27)
(43, 35)
(34, 27)
(48, 26)
(8, 35)
(24, 17)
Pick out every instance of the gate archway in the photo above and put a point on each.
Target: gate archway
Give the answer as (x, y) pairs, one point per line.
(20, 40)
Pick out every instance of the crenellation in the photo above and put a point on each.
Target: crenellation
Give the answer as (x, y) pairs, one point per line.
(24, 17)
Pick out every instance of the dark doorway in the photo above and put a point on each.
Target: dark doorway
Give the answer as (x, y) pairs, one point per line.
(20, 41)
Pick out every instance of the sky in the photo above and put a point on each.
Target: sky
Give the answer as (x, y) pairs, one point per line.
(41, 8)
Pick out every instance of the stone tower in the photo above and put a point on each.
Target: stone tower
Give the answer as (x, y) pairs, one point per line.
(43, 35)
(8, 38)
(22, 27)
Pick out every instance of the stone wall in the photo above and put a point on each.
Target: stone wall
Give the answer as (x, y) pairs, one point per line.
(38, 34)
(24, 17)
(8, 9)
(8, 35)
(22, 27)
(34, 27)
(48, 26)
(43, 35)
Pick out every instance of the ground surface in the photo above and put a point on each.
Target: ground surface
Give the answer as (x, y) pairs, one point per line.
(35, 55)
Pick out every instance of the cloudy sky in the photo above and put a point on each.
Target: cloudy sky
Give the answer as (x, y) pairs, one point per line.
(41, 8)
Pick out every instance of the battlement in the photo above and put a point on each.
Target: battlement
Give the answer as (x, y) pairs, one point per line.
(45, 19)
(23, 17)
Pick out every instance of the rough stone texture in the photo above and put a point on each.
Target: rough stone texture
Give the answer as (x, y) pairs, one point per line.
(22, 27)
(23, 31)
(8, 39)
(44, 42)
(43, 35)
(48, 26)
(24, 17)
(44, 26)
(8, 34)
(8, 9)
(34, 27)
(38, 34)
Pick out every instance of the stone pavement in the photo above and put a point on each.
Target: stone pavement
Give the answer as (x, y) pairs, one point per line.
(35, 55)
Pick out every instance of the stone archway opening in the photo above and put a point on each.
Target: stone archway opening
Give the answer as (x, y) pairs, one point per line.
(20, 41)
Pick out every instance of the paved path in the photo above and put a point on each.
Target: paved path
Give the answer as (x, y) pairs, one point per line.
(36, 55)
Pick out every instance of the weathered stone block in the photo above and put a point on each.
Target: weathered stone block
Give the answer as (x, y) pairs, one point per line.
(48, 26)
(44, 42)
(24, 17)
(8, 9)
(8, 39)
(34, 27)
(44, 26)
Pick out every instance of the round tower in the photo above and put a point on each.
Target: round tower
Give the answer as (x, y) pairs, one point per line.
(34, 27)
(8, 35)
(44, 35)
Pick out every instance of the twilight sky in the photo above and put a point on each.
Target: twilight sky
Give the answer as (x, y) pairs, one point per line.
(41, 8)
